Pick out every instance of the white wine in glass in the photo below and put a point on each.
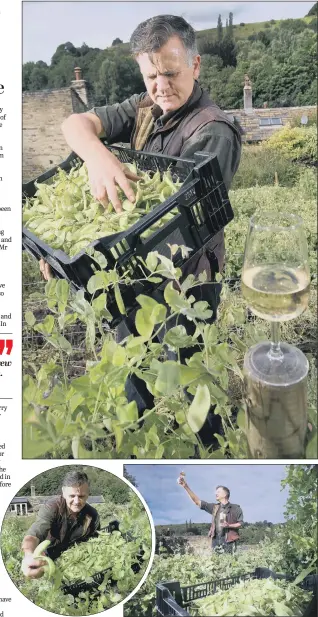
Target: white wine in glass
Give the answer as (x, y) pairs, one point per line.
(276, 292)
(276, 283)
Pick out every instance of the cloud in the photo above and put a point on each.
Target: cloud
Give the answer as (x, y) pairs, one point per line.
(256, 488)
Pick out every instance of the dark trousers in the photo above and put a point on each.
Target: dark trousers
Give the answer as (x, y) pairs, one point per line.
(136, 389)
(228, 547)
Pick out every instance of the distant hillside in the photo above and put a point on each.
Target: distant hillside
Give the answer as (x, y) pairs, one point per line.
(246, 30)
(240, 31)
(278, 56)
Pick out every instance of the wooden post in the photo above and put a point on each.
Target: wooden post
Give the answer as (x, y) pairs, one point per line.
(276, 418)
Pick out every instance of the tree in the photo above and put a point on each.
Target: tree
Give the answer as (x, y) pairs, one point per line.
(129, 477)
(26, 74)
(230, 28)
(219, 29)
(65, 49)
(116, 42)
(313, 10)
(38, 79)
(299, 536)
(119, 78)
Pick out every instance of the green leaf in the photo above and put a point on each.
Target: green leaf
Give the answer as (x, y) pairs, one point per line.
(119, 434)
(64, 344)
(174, 299)
(76, 400)
(199, 408)
(98, 281)
(240, 420)
(177, 337)
(152, 261)
(200, 310)
(62, 293)
(99, 303)
(119, 299)
(119, 357)
(147, 303)
(168, 378)
(29, 318)
(144, 323)
(127, 413)
(46, 326)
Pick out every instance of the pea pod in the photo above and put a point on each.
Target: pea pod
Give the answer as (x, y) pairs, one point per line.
(41, 548)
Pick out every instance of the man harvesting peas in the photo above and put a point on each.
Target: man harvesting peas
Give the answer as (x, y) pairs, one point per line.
(63, 520)
(174, 117)
(227, 517)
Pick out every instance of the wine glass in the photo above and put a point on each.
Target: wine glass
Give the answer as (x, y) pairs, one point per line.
(276, 284)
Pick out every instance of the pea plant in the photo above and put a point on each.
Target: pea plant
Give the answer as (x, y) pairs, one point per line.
(89, 416)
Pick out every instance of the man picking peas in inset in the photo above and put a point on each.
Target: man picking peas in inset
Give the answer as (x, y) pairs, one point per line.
(227, 517)
(63, 520)
(174, 117)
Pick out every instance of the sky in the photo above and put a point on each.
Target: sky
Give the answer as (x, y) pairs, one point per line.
(256, 488)
(49, 24)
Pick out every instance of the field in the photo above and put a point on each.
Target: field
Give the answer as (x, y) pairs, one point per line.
(110, 553)
(74, 369)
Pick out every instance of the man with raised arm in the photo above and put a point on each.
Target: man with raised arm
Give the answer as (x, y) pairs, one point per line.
(63, 520)
(227, 517)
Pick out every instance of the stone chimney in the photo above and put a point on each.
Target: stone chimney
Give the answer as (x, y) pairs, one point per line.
(79, 85)
(78, 73)
(248, 104)
(32, 490)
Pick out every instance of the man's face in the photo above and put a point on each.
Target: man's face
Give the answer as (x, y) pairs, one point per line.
(168, 77)
(220, 493)
(75, 497)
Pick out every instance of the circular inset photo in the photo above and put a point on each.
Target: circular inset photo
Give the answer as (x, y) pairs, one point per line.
(77, 540)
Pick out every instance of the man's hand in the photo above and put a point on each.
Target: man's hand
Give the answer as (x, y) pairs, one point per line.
(182, 481)
(45, 270)
(105, 173)
(32, 568)
(224, 524)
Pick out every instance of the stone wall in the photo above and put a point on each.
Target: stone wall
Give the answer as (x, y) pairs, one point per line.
(43, 143)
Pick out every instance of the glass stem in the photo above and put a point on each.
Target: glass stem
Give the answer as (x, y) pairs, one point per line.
(275, 352)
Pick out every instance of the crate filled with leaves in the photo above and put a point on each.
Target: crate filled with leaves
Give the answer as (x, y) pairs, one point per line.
(178, 202)
(261, 592)
(109, 564)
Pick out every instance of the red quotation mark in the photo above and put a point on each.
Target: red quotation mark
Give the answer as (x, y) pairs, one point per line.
(6, 344)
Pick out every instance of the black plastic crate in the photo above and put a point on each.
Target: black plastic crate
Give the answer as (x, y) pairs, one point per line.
(173, 600)
(81, 586)
(202, 205)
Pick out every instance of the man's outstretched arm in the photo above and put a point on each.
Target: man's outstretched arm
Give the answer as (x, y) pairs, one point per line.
(191, 494)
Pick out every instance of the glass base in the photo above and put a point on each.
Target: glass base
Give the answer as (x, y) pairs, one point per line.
(289, 369)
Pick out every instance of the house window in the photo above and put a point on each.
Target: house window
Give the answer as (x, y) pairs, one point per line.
(270, 121)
